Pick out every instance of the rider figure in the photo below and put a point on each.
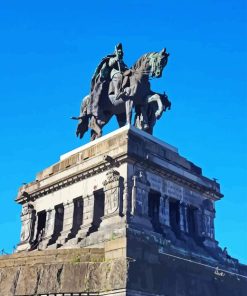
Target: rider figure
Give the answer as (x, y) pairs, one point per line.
(109, 67)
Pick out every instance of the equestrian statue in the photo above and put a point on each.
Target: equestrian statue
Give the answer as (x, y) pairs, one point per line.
(117, 90)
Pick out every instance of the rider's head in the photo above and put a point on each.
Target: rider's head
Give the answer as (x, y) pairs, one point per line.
(119, 50)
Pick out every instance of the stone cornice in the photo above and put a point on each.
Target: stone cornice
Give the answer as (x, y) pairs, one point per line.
(113, 150)
(177, 178)
(25, 195)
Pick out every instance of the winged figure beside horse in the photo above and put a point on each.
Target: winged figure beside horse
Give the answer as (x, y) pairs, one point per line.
(117, 90)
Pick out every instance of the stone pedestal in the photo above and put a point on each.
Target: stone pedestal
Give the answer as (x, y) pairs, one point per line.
(127, 178)
(68, 223)
(141, 202)
(49, 229)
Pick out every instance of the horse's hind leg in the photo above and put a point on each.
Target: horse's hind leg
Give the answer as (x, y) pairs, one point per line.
(93, 135)
(128, 107)
(144, 116)
(97, 124)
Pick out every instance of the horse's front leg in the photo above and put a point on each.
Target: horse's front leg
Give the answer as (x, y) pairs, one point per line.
(157, 98)
(128, 107)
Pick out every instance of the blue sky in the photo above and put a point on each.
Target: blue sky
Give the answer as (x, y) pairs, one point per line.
(49, 51)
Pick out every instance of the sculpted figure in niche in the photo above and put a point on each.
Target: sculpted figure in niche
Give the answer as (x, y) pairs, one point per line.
(27, 221)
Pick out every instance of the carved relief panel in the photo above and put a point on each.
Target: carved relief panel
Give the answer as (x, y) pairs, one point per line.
(113, 189)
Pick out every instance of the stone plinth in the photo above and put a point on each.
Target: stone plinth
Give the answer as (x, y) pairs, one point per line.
(81, 272)
(126, 177)
(141, 202)
(62, 272)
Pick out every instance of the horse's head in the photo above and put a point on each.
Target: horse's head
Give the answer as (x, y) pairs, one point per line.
(157, 62)
(152, 63)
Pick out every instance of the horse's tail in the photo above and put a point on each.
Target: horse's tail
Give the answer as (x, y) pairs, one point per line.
(82, 126)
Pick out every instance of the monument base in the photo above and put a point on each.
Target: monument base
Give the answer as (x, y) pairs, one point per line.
(149, 210)
(125, 267)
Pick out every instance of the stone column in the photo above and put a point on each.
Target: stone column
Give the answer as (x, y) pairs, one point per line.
(133, 196)
(164, 210)
(126, 196)
(139, 200)
(49, 228)
(67, 222)
(208, 224)
(199, 224)
(208, 228)
(35, 227)
(167, 210)
(162, 213)
(88, 204)
(140, 195)
(184, 217)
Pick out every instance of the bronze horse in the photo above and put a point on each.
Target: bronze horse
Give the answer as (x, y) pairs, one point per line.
(135, 92)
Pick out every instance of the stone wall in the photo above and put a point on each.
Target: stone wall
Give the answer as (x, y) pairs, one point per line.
(154, 271)
(147, 270)
(78, 271)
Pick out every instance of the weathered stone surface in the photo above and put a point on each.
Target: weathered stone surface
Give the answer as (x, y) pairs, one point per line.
(61, 271)
(155, 270)
(146, 270)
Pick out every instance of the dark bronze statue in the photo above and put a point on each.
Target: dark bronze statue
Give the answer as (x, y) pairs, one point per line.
(116, 90)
